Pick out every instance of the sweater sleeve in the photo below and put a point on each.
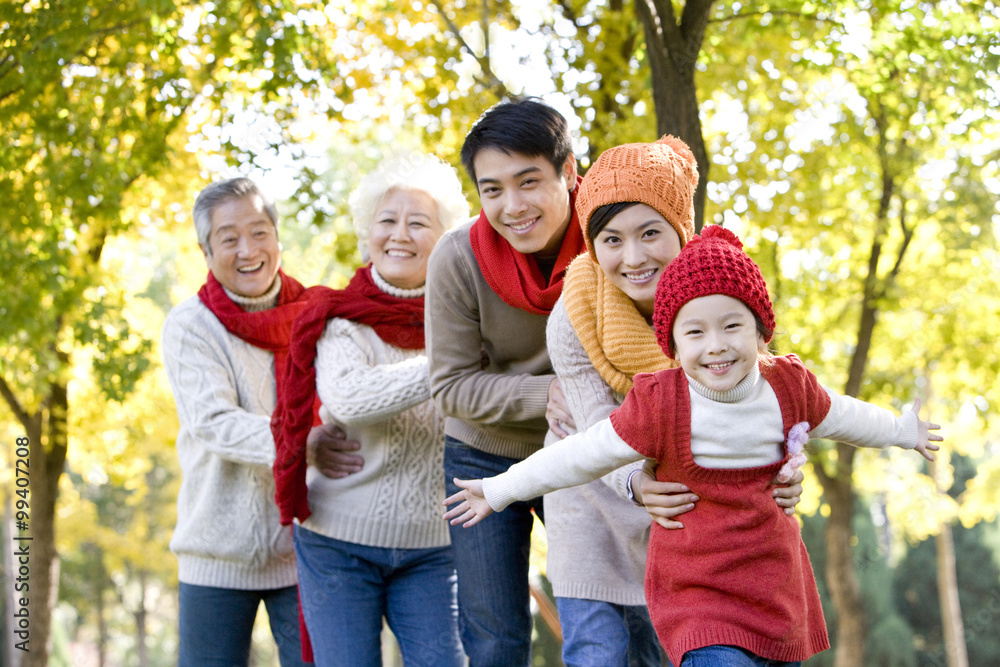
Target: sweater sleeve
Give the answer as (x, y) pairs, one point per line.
(357, 390)
(203, 366)
(460, 385)
(590, 398)
(574, 460)
(862, 424)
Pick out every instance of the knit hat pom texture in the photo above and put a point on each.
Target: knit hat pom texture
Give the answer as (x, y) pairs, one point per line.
(712, 263)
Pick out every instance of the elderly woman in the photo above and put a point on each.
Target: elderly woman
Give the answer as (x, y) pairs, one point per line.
(372, 546)
(220, 350)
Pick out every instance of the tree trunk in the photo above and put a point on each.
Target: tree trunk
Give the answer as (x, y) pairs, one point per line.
(953, 628)
(841, 581)
(102, 625)
(951, 610)
(140, 622)
(46, 433)
(47, 461)
(8, 656)
(845, 593)
(673, 53)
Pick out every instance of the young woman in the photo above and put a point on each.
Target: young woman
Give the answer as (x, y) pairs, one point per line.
(635, 208)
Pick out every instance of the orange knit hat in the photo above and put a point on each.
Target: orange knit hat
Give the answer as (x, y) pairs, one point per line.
(662, 175)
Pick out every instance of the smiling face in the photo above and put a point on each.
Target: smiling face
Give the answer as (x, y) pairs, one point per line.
(243, 252)
(717, 340)
(525, 198)
(632, 250)
(402, 235)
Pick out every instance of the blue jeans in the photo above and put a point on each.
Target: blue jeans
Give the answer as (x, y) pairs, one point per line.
(602, 633)
(728, 656)
(347, 589)
(216, 625)
(491, 559)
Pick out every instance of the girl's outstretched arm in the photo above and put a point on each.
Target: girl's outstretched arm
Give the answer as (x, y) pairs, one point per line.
(472, 507)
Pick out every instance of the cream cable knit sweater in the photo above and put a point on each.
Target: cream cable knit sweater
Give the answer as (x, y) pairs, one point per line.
(381, 395)
(227, 534)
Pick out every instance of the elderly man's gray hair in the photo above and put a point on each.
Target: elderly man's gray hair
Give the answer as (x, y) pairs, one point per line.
(219, 193)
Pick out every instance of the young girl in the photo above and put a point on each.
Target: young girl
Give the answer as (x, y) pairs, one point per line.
(635, 207)
(736, 585)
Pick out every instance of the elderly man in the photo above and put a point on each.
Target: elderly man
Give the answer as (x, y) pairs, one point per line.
(221, 350)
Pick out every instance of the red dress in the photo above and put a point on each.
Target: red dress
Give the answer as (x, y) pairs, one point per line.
(738, 573)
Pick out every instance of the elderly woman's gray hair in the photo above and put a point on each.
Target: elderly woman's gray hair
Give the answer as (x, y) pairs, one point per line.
(220, 192)
(408, 171)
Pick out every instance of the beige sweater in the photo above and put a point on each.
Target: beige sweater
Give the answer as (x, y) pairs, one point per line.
(490, 371)
(597, 538)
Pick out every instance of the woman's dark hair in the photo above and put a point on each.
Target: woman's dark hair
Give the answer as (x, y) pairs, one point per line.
(523, 125)
(602, 215)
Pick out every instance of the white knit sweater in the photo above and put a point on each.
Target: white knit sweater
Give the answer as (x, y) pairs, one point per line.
(227, 534)
(750, 411)
(380, 394)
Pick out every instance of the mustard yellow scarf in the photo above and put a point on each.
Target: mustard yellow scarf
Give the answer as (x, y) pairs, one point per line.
(615, 335)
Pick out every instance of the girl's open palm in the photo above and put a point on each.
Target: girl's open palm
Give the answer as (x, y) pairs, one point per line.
(472, 507)
(926, 439)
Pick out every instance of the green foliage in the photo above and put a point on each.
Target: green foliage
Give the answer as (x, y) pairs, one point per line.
(890, 643)
(915, 588)
(854, 147)
(979, 596)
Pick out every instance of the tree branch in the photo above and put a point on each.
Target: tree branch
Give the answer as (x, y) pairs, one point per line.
(662, 12)
(484, 63)
(568, 12)
(694, 20)
(15, 405)
(780, 12)
(907, 237)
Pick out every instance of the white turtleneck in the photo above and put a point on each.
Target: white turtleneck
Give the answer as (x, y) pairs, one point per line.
(255, 304)
(740, 428)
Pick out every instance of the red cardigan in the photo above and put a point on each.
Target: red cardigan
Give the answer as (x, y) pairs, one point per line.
(738, 574)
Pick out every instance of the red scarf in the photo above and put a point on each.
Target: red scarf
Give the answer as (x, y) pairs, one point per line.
(514, 276)
(267, 329)
(397, 321)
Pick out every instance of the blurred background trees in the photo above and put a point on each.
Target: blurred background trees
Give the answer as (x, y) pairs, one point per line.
(853, 145)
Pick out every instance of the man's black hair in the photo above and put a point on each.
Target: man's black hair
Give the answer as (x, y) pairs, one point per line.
(523, 125)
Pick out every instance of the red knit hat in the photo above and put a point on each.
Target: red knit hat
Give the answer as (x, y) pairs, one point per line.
(662, 175)
(712, 263)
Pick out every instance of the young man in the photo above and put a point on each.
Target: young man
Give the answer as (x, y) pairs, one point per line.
(490, 287)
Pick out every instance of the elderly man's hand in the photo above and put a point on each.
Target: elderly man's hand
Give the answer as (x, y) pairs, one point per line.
(327, 450)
